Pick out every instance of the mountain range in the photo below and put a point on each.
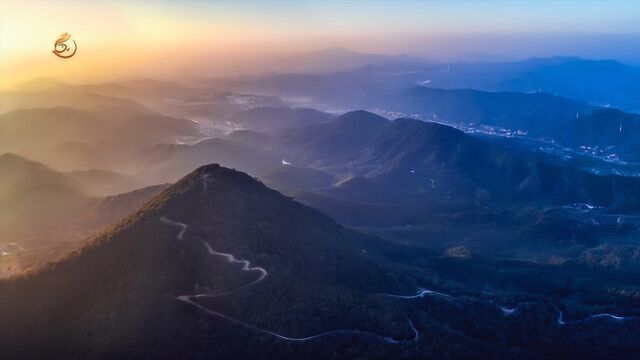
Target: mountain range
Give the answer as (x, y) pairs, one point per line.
(596, 82)
(379, 207)
(406, 158)
(46, 214)
(218, 256)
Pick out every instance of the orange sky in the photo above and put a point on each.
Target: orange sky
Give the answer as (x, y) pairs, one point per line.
(174, 38)
(114, 39)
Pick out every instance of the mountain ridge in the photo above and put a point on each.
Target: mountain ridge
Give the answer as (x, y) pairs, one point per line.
(150, 259)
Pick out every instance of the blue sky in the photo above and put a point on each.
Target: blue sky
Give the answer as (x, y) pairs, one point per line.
(417, 16)
(437, 29)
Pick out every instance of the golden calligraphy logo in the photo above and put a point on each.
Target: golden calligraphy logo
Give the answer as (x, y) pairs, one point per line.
(61, 49)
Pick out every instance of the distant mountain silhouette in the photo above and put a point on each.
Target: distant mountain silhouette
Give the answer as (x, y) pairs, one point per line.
(46, 214)
(165, 162)
(340, 138)
(38, 129)
(83, 156)
(337, 59)
(533, 113)
(103, 182)
(400, 161)
(249, 137)
(16, 168)
(63, 97)
(596, 82)
(291, 179)
(600, 82)
(538, 115)
(412, 151)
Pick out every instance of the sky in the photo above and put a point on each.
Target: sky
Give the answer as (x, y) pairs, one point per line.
(167, 38)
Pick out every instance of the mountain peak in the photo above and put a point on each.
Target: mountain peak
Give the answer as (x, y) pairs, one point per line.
(209, 169)
(11, 160)
(166, 265)
(234, 211)
(361, 115)
(9, 156)
(223, 177)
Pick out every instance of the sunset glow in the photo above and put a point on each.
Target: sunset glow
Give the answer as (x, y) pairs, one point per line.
(124, 39)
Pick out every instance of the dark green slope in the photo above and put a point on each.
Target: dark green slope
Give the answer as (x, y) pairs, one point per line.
(220, 266)
(118, 297)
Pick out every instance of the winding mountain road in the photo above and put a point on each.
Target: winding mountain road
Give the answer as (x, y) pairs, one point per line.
(183, 227)
(420, 294)
(562, 322)
(246, 266)
(262, 274)
(506, 311)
